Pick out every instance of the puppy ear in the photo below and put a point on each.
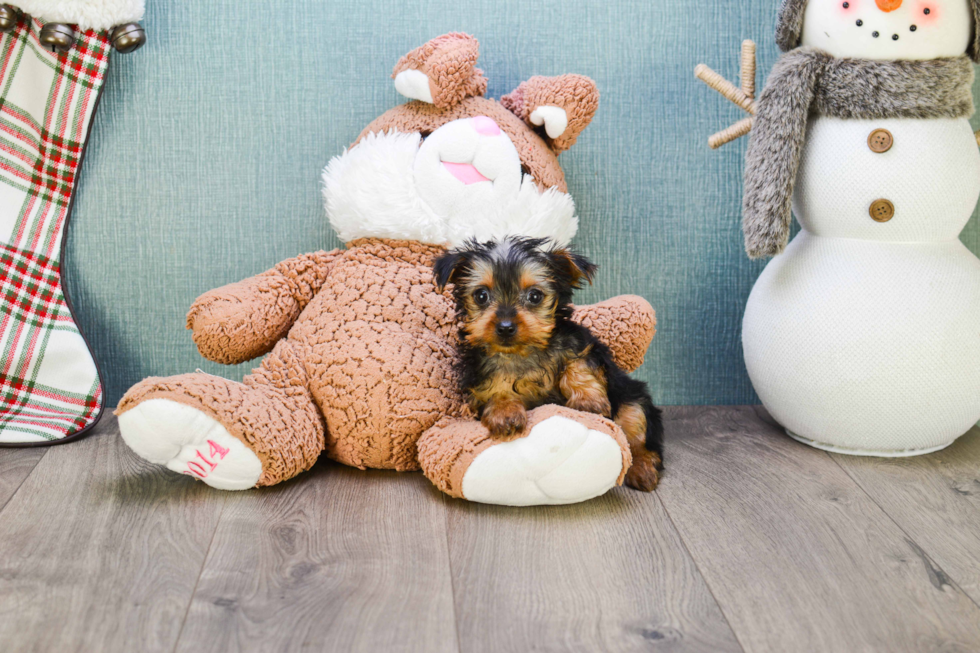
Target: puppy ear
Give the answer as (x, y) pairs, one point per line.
(563, 106)
(572, 267)
(442, 72)
(448, 268)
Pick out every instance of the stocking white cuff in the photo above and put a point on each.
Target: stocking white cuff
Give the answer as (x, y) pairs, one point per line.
(87, 14)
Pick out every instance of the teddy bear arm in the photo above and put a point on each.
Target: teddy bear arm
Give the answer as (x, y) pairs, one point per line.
(438, 309)
(626, 324)
(245, 319)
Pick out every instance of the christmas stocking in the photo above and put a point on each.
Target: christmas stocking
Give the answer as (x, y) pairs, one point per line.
(51, 76)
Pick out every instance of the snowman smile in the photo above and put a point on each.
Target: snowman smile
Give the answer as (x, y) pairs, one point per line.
(888, 30)
(465, 172)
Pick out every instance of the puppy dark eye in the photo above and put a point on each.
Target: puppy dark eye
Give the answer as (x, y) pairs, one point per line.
(535, 297)
(481, 297)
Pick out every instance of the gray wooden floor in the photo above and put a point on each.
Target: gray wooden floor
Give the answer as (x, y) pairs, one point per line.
(753, 543)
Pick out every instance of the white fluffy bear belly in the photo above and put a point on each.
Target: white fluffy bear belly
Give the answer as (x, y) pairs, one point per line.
(868, 346)
(929, 170)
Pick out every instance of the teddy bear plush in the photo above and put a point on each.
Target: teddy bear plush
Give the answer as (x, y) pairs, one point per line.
(359, 346)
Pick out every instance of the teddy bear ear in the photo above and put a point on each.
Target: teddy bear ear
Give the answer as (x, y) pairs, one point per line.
(563, 105)
(442, 72)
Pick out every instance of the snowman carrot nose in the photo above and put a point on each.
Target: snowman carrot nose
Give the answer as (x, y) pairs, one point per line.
(888, 5)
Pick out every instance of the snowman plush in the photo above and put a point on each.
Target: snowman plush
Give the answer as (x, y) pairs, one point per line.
(862, 335)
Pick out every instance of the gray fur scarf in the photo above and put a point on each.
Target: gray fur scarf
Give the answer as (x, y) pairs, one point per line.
(807, 80)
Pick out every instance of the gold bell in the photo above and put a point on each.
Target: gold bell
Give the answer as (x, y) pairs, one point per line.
(57, 37)
(128, 38)
(9, 17)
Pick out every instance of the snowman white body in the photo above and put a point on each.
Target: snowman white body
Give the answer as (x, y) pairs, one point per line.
(864, 336)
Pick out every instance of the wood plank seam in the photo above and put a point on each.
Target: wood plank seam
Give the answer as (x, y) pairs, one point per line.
(449, 564)
(711, 591)
(916, 547)
(200, 572)
(794, 523)
(24, 480)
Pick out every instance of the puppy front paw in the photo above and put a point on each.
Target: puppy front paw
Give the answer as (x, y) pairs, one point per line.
(643, 474)
(504, 420)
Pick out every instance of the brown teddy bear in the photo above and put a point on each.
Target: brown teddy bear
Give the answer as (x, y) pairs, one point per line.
(360, 346)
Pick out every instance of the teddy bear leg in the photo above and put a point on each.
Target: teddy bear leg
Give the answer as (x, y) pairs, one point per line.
(232, 436)
(563, 456)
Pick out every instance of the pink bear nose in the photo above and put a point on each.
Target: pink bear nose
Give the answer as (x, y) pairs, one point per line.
(485, 126)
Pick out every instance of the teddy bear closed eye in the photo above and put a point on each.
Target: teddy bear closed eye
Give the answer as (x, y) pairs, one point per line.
(359, 346)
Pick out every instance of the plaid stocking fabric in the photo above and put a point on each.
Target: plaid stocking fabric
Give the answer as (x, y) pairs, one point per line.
(49, 384)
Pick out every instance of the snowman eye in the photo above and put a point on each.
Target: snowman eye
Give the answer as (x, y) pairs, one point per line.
(927, 11)
(847, 5)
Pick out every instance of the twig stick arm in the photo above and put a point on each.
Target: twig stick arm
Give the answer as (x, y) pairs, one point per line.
(735, 132)
(742, 97)
(748, 68)
(729, 91)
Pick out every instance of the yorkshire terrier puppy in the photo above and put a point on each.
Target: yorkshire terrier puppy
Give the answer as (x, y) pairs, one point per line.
(520, 349)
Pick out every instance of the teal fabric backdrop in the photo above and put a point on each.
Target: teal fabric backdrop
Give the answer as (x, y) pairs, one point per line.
(205, 159)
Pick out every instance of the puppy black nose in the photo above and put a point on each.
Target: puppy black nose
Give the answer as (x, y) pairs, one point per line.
(506, 328)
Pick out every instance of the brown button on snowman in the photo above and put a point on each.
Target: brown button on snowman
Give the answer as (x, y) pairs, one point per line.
(880, 141)
(861, 335)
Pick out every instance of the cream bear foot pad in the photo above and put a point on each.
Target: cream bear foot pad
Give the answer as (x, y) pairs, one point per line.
(561, 461)
(187, 441)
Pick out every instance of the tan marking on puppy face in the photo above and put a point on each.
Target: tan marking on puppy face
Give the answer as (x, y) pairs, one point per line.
(535, 320)
(532, 331)
(481, 275)
(480, 320)
(533, 275)
(584, 388)
(481, 329)
(510, 295)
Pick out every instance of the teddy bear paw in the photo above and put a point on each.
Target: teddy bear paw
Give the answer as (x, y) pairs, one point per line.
(188, 441)
(560, 461)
